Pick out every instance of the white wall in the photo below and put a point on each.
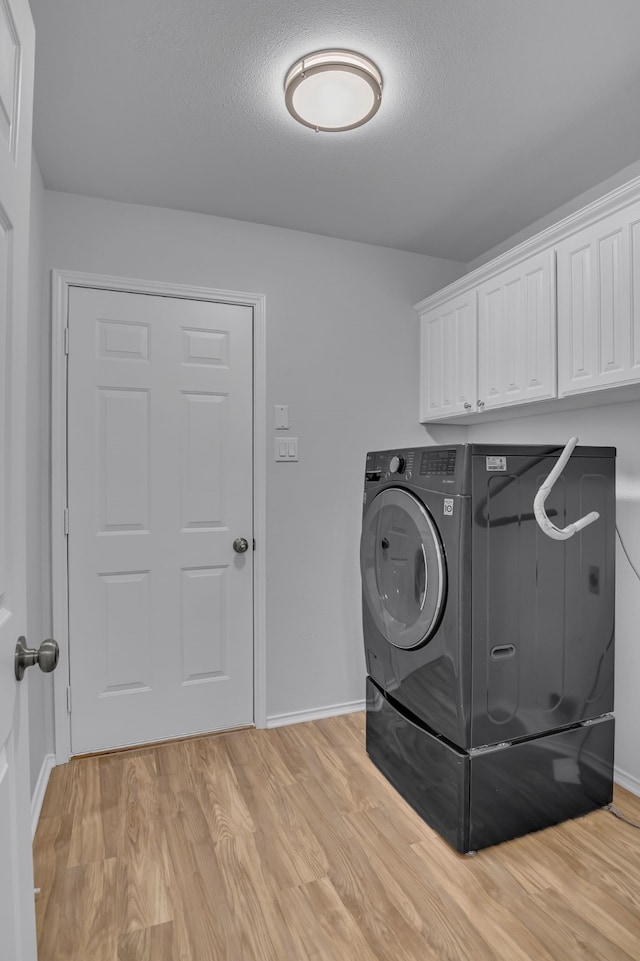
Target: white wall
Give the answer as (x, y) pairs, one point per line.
(341, 352)
(38, 620)
(581, 200)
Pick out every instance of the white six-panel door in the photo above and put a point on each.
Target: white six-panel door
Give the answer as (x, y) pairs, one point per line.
(17, 923)
(159, 486)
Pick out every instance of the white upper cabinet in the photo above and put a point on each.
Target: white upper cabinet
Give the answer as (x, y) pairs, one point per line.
(491, 346)
(556, 317)
(448, 358)
(599, 304)
(517, 334)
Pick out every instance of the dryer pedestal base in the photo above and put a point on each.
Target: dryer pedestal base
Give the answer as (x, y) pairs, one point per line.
(476, 799)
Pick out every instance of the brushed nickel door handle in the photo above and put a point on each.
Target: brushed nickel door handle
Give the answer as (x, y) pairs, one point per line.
(241, 545)
(46, 656)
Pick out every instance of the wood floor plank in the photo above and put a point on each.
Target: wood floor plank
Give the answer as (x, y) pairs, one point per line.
(88, 911)
(325, 929)
(628, 803)
(571, 936)
(57, 798)
(51, 856)
(84, 787)
(398, 822)
(296, 753)
(358, 883)
(484, 909)
(292, 855)
(216, 786)
(196, 887)
(148, 944)
(304, 840)
(259, 931)
(597, 839)
(85, 803)
(343, 731)
(142, 850)
(289, 845)
(258, 750)
(331, 772)
(110, 769)
(426, 902)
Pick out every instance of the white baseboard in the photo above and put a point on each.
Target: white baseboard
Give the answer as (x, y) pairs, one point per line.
(48, 764)
(315, 714)
(627, 781)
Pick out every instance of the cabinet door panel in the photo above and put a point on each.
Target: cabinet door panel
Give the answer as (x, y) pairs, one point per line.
(491, 336)
(448, 359)
(599, 305)
(577, 346)
(613, 302)
(516, 334)
(635, 299)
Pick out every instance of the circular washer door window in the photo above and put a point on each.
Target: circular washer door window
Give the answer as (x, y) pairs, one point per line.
(403, 568)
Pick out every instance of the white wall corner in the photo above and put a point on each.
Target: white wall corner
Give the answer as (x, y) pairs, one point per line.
(627, 781)
(48, 764)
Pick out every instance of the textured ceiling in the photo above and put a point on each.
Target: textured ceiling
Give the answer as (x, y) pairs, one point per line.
(494, 112)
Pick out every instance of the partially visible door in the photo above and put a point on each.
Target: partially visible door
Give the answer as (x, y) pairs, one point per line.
(17, 923)
(160, 486)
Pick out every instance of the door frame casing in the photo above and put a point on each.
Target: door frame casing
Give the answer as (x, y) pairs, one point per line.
(61, 282)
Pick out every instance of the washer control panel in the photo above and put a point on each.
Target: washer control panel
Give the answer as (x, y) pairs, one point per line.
(385, 464)
(438, 463)
(423, 462)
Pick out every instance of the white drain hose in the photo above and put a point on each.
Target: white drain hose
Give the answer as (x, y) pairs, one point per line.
(559, 533)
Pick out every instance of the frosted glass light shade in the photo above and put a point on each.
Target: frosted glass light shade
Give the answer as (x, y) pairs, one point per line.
(333, 90)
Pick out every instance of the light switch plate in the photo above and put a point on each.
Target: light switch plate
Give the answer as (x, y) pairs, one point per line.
(281, 418)
(286, 449)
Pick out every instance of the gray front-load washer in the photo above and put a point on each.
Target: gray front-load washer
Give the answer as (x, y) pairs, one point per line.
(483, 635)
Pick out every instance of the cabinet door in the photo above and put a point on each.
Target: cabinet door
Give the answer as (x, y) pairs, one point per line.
(516, 334)
(599, 305)
(448, 358)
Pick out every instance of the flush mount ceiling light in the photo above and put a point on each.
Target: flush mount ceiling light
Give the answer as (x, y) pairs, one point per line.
(333, 90)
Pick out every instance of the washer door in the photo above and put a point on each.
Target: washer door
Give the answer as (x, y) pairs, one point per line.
(403, 568)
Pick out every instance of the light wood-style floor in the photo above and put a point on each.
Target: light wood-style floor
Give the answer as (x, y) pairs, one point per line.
(287, 845)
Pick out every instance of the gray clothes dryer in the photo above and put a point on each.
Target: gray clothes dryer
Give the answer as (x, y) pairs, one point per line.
(489, 646)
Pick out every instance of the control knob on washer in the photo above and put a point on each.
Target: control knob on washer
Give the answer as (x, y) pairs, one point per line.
(397, 465)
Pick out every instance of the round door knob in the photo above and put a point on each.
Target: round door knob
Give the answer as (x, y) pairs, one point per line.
(240, 545)
(46, 656)
(467, 405)
(396, 464)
